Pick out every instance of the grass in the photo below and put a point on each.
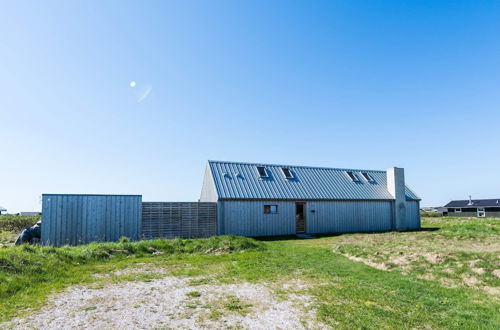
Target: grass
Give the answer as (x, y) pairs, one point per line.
(194, 294)
(29, 273)
(453, 251)
(16, 223)
(347, 293)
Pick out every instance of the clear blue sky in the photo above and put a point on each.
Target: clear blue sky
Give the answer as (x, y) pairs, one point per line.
(355, 84)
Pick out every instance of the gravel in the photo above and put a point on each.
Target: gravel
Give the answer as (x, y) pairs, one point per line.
(171, 303)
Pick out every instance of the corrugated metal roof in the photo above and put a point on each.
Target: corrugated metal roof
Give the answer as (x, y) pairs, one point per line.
(475, 203)
(241, 181)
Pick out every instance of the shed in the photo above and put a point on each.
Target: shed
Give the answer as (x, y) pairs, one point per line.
(83, 218)
(256, 199)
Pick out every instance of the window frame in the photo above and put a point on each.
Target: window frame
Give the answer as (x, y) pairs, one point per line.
(352, 175)
(457, 210)
(265, 171)
(289, 171)
(367, 176)
(268, 208)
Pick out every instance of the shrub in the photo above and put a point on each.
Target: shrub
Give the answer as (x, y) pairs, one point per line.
(431, 214)
(16, 223)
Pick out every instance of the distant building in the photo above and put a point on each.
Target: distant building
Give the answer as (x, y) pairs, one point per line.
(439, 209)
(29, 214)
(480, 208)
(2, 209)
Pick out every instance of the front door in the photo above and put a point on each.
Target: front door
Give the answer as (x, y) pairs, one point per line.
(300, 218)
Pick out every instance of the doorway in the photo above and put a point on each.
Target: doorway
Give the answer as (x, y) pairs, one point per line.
(300, 217)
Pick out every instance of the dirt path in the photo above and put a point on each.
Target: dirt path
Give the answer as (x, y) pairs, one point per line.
(168, 303)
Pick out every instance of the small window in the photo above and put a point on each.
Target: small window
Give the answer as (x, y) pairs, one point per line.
(481, 212)
(353, 176)
(270, 209)
(262, 171)
(367, 176)
(287, 173)
(458, 210)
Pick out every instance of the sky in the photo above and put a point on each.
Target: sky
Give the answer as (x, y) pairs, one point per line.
(349, 84)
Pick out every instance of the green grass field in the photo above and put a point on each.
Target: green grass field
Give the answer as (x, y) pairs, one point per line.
(445, 276)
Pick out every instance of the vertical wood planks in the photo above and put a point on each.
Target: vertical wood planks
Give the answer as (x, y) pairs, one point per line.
(81, 219)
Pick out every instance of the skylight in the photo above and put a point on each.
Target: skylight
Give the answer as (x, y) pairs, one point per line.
(262, 171)
(287, 173)
(353, 176)
(367, 176)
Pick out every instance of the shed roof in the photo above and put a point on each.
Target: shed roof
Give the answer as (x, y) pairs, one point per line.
(234, 180)
(475, 203)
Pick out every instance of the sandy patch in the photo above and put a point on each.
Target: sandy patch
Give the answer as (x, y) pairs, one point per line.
(433, 258)
(367, 262)
(171, 302)
(470, 280)
(478, 270)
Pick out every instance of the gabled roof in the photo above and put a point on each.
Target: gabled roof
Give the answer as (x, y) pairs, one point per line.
(234, 180)
(475, 203)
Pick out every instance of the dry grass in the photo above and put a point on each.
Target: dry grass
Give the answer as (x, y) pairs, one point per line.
(455, 252)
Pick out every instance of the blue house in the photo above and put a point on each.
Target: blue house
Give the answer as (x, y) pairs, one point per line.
(265, 200)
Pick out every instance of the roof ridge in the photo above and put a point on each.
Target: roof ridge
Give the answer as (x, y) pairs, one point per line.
(296, 166)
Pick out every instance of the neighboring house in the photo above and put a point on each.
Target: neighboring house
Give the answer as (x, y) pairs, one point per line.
(481, 208)
(266, 200)
(29, 214)
(2, 210)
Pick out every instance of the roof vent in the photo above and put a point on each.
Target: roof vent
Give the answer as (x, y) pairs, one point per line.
(470, 200)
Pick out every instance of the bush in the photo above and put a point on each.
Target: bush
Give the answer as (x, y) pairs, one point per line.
(431, 214)
(16, 223)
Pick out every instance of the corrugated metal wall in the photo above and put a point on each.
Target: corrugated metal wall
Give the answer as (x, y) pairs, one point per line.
(247, 218)
(412, 215)
(81, 219)
(348, 216)
(184, 220)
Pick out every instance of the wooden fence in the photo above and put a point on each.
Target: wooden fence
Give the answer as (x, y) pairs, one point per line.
(184, 220)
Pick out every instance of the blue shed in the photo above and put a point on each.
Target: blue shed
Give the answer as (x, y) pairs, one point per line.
(266, 200)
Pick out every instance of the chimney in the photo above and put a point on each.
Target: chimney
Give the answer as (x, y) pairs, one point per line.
(470, 200)
(396, 187)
